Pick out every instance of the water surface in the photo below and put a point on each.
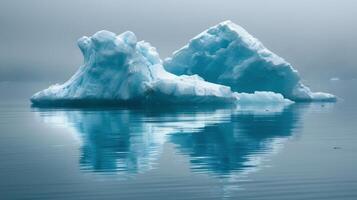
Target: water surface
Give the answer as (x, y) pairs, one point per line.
(303, 151)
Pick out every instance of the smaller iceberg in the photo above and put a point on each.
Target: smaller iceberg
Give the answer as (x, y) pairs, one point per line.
(118, 69)
(227, 54)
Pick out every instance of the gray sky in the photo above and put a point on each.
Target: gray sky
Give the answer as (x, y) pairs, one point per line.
(38, 38)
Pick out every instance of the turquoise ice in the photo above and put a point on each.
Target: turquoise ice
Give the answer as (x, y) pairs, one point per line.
(227, 54)
(118, 69)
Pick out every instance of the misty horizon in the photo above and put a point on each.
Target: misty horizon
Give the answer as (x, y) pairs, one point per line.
(39, 39)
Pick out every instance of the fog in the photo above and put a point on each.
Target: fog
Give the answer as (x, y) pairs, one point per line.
(38, 38)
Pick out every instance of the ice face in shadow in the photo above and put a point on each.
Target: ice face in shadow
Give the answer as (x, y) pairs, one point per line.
(227, 54)
(217, 141)
(119, 70)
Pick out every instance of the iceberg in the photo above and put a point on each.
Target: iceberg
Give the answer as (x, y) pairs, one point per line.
(118, 69)
(227, 54)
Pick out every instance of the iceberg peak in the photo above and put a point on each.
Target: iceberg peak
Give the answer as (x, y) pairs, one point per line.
(227, 54)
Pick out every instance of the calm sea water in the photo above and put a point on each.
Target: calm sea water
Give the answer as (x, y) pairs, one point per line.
(303, 151)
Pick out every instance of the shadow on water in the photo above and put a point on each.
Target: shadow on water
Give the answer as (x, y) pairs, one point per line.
(217, 141)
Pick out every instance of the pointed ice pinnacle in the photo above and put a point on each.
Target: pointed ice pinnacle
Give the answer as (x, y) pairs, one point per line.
(227, 54)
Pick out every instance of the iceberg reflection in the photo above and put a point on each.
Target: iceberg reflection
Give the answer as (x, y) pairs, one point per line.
(240, 142)
(216, 141)
(126, 141)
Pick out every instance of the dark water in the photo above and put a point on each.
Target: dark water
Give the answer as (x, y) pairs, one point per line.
(303, 151)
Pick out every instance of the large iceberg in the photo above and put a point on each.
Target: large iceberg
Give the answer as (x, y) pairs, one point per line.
(119, 70)
(227, 54)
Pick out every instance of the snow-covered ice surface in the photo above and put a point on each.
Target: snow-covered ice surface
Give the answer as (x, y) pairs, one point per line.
(119, 70)
(227, 54)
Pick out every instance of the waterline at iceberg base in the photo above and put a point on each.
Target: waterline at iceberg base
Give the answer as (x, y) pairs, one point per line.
(222, 65)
